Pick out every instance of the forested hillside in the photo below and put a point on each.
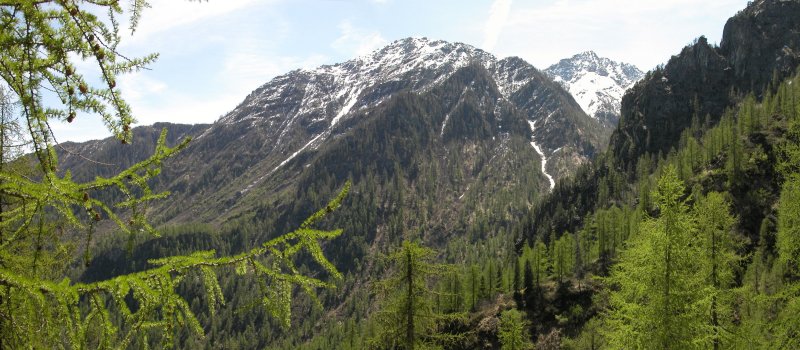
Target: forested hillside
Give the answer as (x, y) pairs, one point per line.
(709, 217)
(695, 188)
(698, 251)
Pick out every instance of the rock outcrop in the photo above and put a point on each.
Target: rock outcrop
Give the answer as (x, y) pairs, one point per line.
(760, 44)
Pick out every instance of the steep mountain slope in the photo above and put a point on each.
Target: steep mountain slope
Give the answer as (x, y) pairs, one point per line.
(760, 45)
(597, 83)
(108, 157)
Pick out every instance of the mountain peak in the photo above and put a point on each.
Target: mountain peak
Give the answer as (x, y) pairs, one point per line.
(588, 55)
(597, 83)
(413, 42)
(621, 72)
(402, 56)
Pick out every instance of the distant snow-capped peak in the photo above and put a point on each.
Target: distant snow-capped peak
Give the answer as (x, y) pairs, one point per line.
(596, 83)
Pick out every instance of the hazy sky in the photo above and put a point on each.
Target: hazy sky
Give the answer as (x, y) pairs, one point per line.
(212, 54)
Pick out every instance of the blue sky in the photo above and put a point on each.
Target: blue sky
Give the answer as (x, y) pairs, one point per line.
(212, 54)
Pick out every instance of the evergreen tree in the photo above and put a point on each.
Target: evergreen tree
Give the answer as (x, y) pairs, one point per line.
(473, 278)
(456, 294)
(513, 331)
(718, 247)
(578, 267)
(563, 252)
(530, 289)
(498, 279)
(788, 237)
(788, 243)
(654, 304)
(541, 262)
(407, 318)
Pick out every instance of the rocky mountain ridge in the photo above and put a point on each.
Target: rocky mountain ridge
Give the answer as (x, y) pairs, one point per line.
(760, 47)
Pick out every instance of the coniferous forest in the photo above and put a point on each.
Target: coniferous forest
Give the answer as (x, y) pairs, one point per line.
(425, 222)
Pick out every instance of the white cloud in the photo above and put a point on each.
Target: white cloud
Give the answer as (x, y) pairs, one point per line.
(165, 15)
(187, 109)
(136, 86)
(242, 72)
(245, 70)
(355, 41)
(498, 15)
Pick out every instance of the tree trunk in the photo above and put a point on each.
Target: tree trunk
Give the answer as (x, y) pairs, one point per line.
(715, 283)
(410, 303)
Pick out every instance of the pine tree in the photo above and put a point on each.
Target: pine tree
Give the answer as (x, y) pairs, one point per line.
(456, 294)
(407, 318)
(577, 251)
(540, 262)
(563, 256)
(717, 244)
(658, 285)
(490, 285)
(498, 279)
(517, 284)
(473, 278)
(513, 331)
(788, 237)
(788, 244)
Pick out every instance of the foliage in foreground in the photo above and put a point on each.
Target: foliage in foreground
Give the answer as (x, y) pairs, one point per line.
(668, 280)
(43, 212)
(45, 310)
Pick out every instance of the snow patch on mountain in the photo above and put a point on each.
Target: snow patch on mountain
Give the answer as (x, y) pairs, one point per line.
(352, 99)
(538, 149)
(287, 160)
(592, 91)
(447, 116)
(596, 83)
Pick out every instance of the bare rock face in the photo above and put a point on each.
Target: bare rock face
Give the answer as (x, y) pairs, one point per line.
(762, 39)
(760, 44)
(656, 110)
